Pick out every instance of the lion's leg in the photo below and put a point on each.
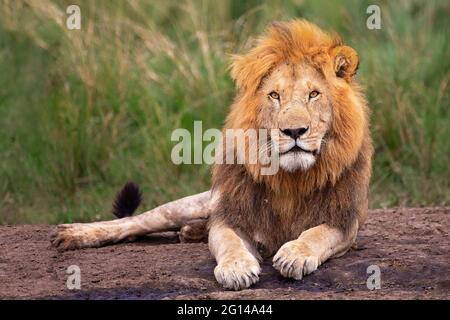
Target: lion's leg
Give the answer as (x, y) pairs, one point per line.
(314, 246)
(237, 260)
(169, 216)
(194, 231)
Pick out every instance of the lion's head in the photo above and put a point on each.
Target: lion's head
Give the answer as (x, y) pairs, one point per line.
(298, 80)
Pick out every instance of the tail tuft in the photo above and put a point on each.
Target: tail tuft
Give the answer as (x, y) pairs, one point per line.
(127, 200)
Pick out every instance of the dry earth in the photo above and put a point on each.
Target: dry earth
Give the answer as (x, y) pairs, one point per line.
(411, 247)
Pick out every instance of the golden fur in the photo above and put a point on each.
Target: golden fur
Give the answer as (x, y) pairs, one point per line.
(303, 214)
(334, 190)
(296, 41)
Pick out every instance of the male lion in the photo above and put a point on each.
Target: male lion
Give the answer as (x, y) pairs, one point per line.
(297, 80)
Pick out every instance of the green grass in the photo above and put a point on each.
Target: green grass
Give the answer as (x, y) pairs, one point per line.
(82, 112)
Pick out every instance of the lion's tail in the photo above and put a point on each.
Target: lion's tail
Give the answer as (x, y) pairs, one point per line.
(127, 200)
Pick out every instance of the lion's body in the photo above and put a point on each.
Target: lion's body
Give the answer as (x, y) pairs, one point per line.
(274, 209)
(271, 219)
(299, 81)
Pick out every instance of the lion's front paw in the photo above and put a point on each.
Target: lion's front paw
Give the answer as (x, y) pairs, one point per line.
(238, 271)
(294, 260)
(76, 236)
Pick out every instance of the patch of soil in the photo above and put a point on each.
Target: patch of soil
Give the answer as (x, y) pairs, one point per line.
(410, 246)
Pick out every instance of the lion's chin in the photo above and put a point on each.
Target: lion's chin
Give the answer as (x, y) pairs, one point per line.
(294, 161)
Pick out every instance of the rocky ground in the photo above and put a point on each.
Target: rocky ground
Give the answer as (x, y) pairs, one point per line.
(410, 246)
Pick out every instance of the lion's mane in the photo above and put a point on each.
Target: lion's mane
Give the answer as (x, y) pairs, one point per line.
(277, 208)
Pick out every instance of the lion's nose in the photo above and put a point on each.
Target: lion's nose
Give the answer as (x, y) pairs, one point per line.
(295, 133)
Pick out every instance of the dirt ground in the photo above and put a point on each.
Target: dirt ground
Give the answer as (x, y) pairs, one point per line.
(411, 247)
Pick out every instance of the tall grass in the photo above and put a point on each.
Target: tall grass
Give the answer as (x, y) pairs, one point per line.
(83, 111)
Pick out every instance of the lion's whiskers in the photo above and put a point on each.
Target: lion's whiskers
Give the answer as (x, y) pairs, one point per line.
(265, 147)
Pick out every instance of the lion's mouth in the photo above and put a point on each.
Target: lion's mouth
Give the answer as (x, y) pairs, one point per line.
(296, 149)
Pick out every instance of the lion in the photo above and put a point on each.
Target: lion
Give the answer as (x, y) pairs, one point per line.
(298, 81)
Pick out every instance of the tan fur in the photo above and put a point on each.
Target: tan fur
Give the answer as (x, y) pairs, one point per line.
(294, 42)
(306, 216)
(237, 260)
(301, 216)
(304, 255)
(170, 216)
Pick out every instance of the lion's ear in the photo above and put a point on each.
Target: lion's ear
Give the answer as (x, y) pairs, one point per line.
(345, 61)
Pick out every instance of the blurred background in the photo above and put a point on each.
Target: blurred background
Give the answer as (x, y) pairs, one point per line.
(84, 111)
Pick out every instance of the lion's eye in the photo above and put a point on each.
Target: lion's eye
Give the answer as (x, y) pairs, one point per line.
(313, 94)
(274, 95)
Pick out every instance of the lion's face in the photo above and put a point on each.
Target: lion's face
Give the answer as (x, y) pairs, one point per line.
(294, 100)
(298, 82)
